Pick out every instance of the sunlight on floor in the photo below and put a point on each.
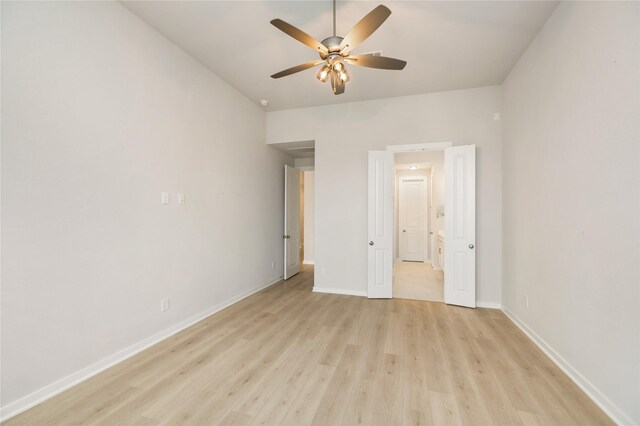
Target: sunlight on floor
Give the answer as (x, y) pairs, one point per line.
(417, 281)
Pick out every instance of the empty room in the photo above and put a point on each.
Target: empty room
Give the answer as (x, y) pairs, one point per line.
(320, 212)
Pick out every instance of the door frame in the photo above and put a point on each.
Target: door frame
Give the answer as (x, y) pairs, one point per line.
(430, 146)
(433, 146)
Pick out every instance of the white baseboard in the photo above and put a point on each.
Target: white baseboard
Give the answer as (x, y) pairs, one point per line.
(42, 394)
(330, 290)
(307, 262)
(490, 305)
(612, 410)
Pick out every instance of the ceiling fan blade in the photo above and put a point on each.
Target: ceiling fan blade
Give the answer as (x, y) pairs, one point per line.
(299, 35)
(381, 62)
(363, 29)
(296, 69)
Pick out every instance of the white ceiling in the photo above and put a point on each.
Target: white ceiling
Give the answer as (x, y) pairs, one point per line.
(448, 45)
(416, 166)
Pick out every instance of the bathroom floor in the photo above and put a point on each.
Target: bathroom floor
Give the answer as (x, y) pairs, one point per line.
(417, 281)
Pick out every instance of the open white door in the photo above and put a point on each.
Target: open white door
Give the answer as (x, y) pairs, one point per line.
(380, 263)
(460, 225)
(291, 221)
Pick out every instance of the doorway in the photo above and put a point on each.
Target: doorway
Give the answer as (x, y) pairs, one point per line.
(299, 219)
(455, 247)
(299, 207)
(419, 186)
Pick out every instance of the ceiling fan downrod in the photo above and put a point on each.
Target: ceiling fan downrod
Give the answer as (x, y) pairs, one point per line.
(334, 18)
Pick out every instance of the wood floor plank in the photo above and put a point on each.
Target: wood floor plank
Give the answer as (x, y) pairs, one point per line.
(236, 419)
(387, 393)
(273, 407)
(444, 409)
(334, 400)
(415, 418)
(470, 407)
(286, 355)
(304, 407)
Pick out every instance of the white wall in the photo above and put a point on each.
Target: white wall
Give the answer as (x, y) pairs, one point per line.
(463, 117)
(100, 114)
(304, 162)
(309, 216)
(571, 184)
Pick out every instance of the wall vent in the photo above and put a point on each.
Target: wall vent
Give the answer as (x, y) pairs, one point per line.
(374, 53)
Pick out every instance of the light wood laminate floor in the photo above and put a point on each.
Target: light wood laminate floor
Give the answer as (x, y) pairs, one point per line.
(290, 356)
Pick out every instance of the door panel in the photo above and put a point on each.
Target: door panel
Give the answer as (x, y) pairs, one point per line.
(291, 221)
(460, 225)
(412, 220)
(380, 232)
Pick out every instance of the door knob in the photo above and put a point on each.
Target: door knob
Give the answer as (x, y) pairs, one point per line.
(370, 243)
(471, 246)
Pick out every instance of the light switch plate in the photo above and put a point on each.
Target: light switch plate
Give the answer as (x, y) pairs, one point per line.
(180, 198)
(164, 198)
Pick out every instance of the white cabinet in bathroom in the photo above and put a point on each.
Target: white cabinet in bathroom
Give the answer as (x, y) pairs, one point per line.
(441, 249)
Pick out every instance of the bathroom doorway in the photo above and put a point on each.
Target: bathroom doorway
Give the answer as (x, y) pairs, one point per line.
(459, 260)
(419, 220)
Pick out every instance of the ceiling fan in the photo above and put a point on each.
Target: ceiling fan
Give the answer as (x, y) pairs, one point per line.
(335, 52)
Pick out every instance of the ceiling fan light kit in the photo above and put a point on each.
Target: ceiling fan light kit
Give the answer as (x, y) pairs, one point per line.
(335, 52)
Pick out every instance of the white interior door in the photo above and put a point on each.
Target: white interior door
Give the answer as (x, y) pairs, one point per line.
(412, 220)
(460, 225)
(291, 221)
(380, 212)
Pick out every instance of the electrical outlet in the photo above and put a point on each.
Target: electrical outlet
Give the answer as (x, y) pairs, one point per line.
(526, 301)
(164, 305)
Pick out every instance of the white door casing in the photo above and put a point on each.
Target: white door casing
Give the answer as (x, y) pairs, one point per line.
(460, 225)
(291, 221)
(380, 225)
(412, 220)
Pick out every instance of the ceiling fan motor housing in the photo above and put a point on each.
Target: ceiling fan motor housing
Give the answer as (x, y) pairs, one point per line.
(332, 44)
